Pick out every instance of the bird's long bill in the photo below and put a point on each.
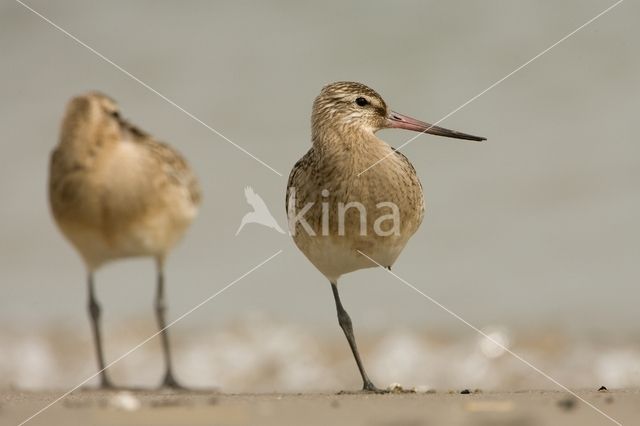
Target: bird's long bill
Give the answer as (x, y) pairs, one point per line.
(399, 121)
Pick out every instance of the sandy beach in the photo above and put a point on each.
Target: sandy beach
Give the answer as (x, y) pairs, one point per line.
(297, 382)
(407, 409)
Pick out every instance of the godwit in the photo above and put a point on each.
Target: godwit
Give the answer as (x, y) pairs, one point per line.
(324, 185)
(116, 192)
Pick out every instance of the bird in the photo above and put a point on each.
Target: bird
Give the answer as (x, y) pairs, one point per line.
(116, 192)
(331, 186)
(260, 214)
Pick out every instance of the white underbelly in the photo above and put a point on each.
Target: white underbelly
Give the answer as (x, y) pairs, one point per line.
(154, 237)
(336, 256)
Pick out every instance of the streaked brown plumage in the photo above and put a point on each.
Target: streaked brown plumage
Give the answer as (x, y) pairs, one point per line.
(344, 120)
(117, 192)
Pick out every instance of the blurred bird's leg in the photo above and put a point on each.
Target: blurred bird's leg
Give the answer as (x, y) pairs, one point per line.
(169, 380)
(345, 323)
(94, 313)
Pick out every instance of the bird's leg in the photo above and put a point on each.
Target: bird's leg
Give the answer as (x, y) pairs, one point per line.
(345, 323)
(169, 380)
(94, 313)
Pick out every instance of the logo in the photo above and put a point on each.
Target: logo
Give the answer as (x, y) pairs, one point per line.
(386, 216)
(260, 214)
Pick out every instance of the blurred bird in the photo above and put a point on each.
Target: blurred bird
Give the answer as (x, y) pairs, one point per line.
(329, 176)
(260, 214)
(117, 192)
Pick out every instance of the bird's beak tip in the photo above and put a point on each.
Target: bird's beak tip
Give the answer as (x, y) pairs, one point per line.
(401, 121)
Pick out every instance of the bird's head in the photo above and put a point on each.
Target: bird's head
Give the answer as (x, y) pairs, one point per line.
(349, 107)
(95, 116)
(91, 113)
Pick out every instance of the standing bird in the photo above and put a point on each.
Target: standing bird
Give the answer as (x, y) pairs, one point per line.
(328, 181)
(117, 192)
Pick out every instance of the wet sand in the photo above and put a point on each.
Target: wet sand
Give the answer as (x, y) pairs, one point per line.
(409, 409)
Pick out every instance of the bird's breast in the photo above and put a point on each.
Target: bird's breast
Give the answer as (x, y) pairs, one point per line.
(384, 202)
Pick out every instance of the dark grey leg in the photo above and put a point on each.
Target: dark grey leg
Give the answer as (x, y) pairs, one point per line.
(345, 323)
(94, 313)
(169, 380)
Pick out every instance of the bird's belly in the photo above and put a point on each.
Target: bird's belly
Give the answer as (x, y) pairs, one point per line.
(153, 236)
(334, 256)
(96, 248)
(110, 220)
(335, 216)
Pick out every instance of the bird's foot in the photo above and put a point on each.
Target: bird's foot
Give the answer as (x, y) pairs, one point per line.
(169, 382)
(106, 383)
(108, 387)
(368, 387)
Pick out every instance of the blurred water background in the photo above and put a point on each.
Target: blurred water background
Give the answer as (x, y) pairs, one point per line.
(532, 235)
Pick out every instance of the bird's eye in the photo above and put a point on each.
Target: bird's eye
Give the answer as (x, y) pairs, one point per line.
(362, 102)
(115, 114)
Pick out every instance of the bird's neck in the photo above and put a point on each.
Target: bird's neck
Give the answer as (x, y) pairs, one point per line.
(81, 145)
(351, 145)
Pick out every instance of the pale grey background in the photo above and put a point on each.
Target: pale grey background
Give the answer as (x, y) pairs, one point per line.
(537, 228)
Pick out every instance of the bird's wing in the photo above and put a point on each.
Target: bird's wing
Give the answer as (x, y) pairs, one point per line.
(298, 173)
(175, 167)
